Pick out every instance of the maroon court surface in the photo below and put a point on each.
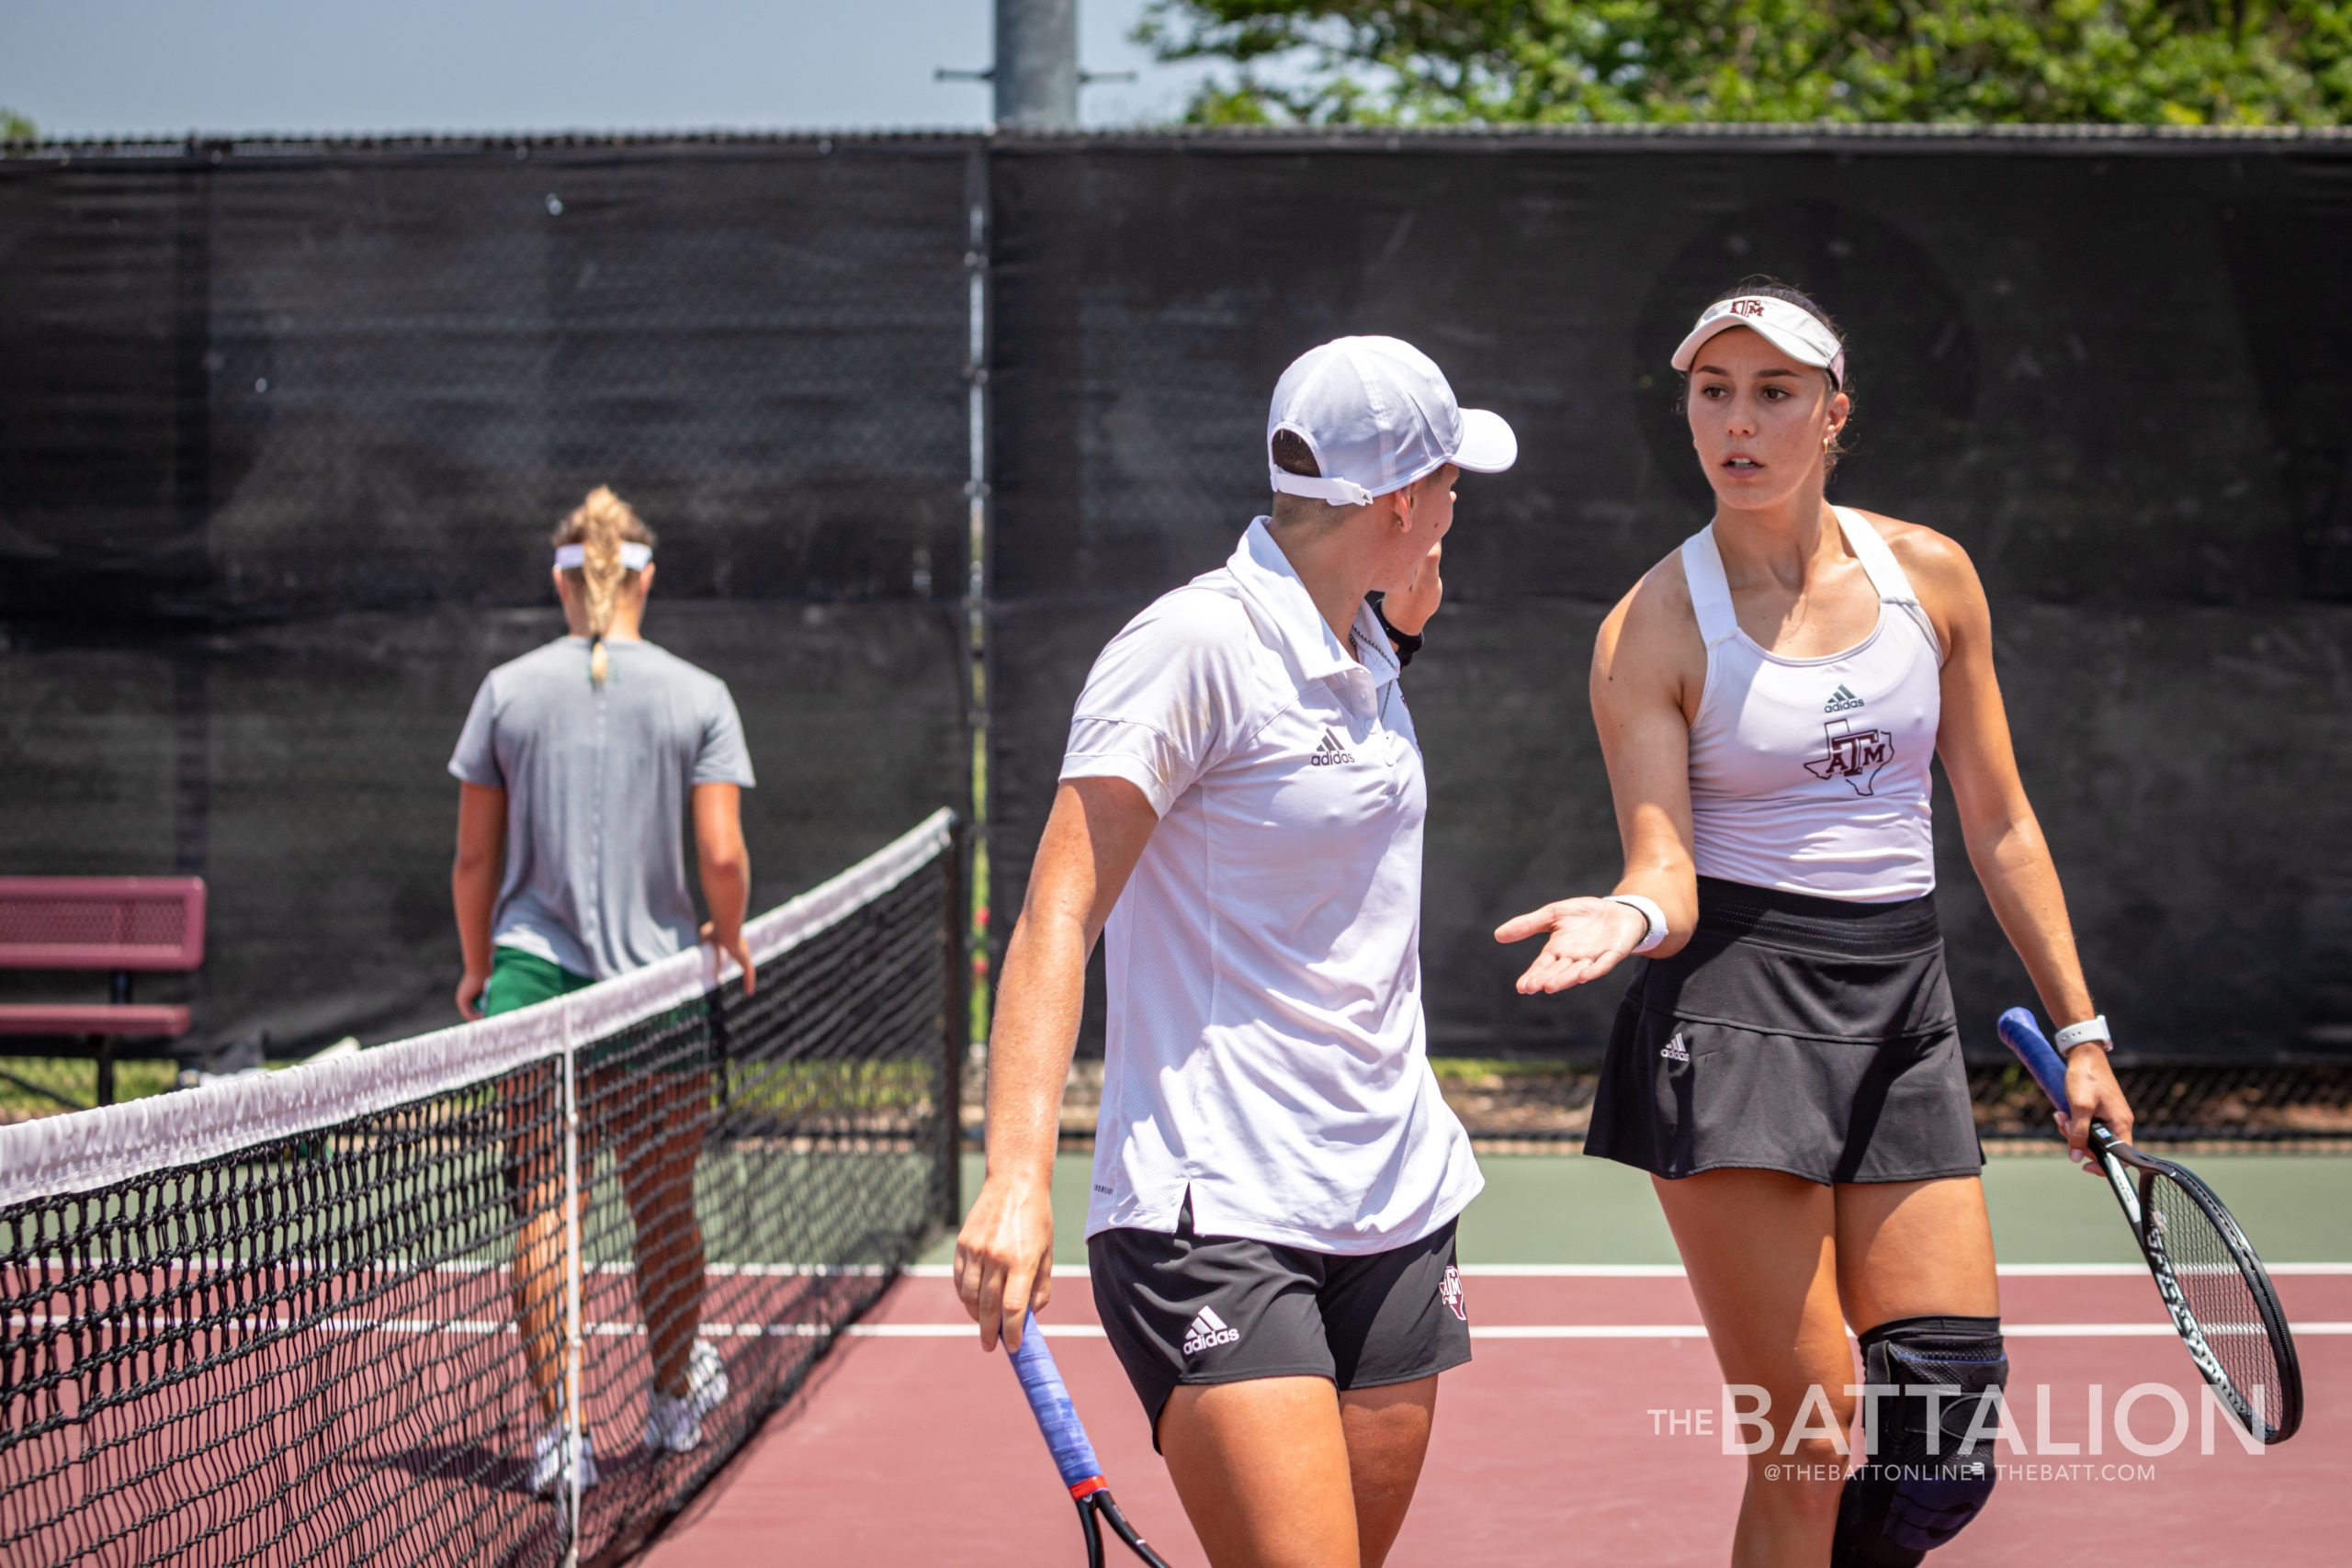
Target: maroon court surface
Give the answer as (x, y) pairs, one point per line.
(1555, 1444)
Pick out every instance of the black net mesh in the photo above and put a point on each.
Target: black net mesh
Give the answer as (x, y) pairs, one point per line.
(346, 1340)
(284, 431)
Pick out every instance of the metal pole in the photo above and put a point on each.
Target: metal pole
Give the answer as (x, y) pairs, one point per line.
(574, 1395)
(1036, 64)
(956, 1029)
(971, 848)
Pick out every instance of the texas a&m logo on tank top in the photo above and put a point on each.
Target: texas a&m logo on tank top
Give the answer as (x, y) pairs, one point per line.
(1855, 755)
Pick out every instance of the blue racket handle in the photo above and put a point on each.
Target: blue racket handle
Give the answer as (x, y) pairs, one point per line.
(2021, 1035)
(1057, 1417)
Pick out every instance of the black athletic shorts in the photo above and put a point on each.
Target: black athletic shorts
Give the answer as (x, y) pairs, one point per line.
(1204, 1309)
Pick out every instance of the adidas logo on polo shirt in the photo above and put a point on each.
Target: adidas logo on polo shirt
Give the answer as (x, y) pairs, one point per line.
(1207, 1330)
(1841, 701)
(1330, 752)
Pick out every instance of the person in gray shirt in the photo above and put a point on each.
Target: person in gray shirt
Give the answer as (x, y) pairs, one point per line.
(578, 762)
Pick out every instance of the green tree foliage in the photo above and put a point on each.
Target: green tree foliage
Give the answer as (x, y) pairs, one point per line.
(14, 127)
(1964, 61)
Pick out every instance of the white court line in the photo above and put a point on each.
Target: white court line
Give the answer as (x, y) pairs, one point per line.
(68, 1268)
(1079, 1270)
(1597, 1330)
(1674, 1270)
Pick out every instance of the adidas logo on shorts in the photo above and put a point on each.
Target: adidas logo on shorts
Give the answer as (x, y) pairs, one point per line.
(1207, 1330)
(1676, 1051)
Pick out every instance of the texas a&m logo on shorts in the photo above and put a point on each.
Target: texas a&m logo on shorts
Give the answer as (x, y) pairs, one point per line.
(1449, 1291)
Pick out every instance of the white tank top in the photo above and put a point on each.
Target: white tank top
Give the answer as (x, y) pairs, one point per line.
(1811, 775)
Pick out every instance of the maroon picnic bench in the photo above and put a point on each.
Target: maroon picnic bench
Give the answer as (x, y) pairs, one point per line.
(118, 925)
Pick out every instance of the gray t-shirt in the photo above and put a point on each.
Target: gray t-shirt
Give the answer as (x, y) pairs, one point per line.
(596, 783)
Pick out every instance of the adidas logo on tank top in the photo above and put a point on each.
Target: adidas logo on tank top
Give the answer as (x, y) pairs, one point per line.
(1207, 1331)
(1841, 701)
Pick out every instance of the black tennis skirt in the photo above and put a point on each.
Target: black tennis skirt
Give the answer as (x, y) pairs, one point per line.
(1809, 1035)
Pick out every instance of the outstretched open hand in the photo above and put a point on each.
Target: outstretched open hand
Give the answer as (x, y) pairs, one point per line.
(1588, 937)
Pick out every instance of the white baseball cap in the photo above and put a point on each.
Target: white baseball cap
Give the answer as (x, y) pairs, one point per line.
(1794, 329)
(1378, 414)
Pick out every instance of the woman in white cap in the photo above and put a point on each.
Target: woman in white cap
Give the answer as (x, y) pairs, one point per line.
(1786, 1064)
(577, 763)
(1275, 1176)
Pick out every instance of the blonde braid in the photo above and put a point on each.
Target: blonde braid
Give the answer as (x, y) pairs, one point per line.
(599, 526)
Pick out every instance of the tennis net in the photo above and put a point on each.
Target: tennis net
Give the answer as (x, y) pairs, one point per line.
(392, 1309)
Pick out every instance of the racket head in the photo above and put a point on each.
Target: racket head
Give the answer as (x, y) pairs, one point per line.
(2219, 1297)
(2215, 1289)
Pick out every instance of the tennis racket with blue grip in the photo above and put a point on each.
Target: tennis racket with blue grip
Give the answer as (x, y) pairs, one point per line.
(2214, 1288)
(1073, 1455)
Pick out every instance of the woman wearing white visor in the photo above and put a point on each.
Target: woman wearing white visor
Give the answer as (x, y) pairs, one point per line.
(1786, 1064)
(1275, 1176)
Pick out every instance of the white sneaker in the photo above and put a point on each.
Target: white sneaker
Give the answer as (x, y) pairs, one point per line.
(705, 1378)
(547, 1460)
(671, 1423)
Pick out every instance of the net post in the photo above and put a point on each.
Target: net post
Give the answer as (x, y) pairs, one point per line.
(574, 1389)
(957, 1025)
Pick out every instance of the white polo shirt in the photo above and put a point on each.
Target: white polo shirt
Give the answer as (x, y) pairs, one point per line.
(1266, 1048)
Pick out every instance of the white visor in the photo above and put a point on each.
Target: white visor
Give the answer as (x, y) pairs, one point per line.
(633, 557)
(1792, 329)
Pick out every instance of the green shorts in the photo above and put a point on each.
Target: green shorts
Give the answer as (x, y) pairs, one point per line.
(678, 1040)
(519, 979)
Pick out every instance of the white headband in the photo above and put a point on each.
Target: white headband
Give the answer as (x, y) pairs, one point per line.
(1794, 331)
(633, 557)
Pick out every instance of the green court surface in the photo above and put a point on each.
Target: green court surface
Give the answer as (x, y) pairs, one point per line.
(1568, 1209)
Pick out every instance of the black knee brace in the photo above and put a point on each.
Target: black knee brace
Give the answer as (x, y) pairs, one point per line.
(1921, 1478)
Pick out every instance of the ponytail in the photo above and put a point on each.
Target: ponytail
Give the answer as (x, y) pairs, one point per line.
(600, 526)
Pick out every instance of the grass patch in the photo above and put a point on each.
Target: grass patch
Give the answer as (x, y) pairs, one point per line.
(75, 1077)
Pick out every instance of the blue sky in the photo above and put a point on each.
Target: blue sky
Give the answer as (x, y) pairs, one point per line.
(163, 67)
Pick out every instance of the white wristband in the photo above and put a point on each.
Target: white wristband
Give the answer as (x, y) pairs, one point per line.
(1647, 909)
(2075, 1034)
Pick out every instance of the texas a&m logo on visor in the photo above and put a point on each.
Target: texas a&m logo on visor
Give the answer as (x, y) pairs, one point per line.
(1748, 306)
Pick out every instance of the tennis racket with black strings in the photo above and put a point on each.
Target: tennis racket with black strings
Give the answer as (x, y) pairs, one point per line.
(1073, 1455)
(2213, 1286)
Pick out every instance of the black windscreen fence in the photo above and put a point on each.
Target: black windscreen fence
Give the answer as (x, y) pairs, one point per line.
(284, 432)
(284, 429)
